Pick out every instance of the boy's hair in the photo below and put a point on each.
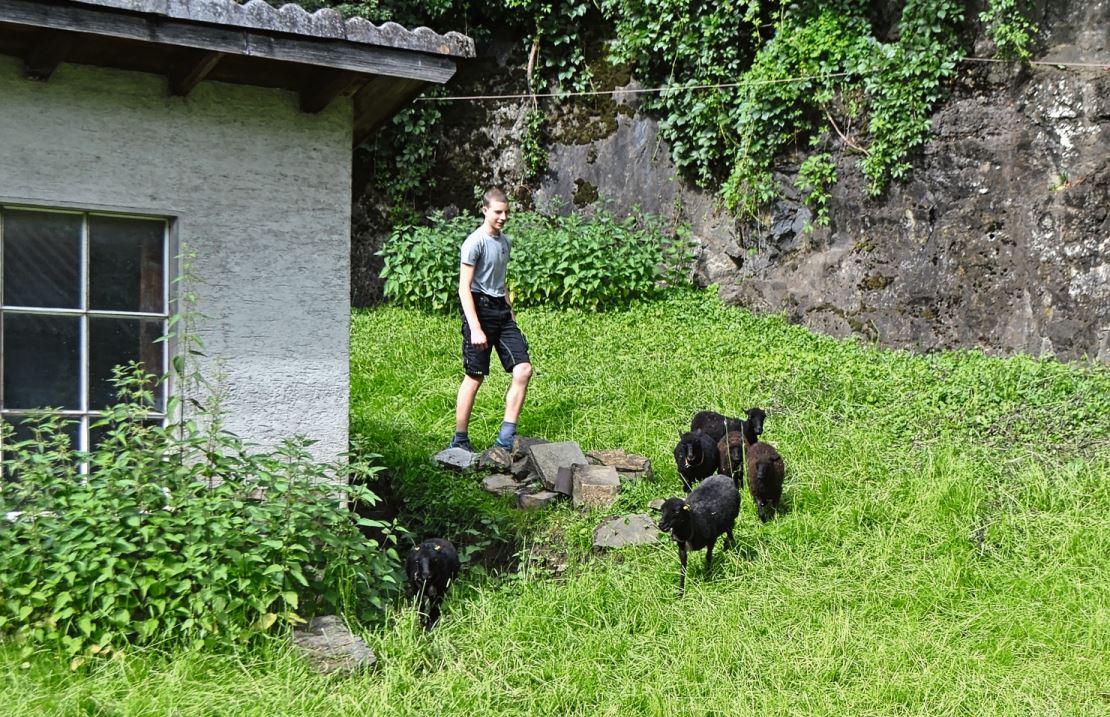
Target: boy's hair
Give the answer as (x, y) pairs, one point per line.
(493, 194)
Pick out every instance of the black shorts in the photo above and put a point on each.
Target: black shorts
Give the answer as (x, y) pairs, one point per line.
(502, 333)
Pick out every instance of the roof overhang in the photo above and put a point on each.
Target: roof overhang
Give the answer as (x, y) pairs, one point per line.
(320, 55)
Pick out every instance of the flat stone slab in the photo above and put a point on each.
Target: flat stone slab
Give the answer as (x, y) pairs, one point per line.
(548, 458)
(537, 500)
(595, 486)
(457, 459)
(619, 531)
(621, 460)
(656, 504)
(500, 484)
(330, 647)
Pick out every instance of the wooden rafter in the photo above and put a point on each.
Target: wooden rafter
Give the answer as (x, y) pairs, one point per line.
(380, 99)
(325, 87)
(46, 54)
(189, 74)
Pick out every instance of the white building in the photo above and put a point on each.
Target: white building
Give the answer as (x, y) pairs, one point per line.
(132, 131)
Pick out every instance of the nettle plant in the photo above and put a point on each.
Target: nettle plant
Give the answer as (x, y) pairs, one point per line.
(566, 261)
(179, 534)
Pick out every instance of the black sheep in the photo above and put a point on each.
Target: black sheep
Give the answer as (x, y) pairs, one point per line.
(753, 427)
(730, 452)
(695, 523)
(430, 568)
(766, 472)
(715, 424)
(696, 457)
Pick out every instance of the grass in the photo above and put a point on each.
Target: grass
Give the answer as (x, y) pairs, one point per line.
(946, 549)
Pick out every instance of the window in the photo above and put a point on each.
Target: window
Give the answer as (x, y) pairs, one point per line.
(80, 293)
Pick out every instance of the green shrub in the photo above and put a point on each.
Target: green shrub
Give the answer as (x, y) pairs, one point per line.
(568, 261)
(178, 534)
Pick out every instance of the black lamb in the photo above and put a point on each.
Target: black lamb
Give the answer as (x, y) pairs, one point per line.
(430, 568)
(766, 472)
(715, 424)
(730, 453)
(696, 457)
(753, 427)
(695, 523)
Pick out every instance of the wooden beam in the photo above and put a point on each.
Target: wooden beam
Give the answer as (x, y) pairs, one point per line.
(51, 48)
(379, 100)
(190, 72)
(338, 54)
(324, 87)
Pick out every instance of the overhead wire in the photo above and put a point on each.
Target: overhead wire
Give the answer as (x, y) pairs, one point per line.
(721, 85)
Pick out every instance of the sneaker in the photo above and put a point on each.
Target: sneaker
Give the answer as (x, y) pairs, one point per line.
(501, 444)
(463, 444)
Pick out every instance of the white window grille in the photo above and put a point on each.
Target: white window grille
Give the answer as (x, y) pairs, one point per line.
(80, 293)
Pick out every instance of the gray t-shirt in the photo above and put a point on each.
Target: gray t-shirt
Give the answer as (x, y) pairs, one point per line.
(489, 255)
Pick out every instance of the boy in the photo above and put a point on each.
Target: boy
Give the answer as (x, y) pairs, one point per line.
(488, 322)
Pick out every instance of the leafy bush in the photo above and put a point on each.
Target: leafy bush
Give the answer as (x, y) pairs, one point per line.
(177, 534)
(1008, 25)
(420, 265)
(568, 261)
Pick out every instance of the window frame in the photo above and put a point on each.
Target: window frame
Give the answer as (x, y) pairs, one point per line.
(85, 415)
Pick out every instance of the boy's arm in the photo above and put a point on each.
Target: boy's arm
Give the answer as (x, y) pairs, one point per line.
(466, 277)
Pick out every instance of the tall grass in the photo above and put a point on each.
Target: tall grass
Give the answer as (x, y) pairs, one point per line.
(945, 550)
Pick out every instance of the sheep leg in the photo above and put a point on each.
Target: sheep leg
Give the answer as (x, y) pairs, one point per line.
(682, 570)
(433, 614)
(709, 557)
(729, 542)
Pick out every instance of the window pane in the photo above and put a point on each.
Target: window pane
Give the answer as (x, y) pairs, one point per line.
(23, 432)
(22, 425)
(114, 342)
(41, 361)
(126, 264)
(42, 259)
(98, 433)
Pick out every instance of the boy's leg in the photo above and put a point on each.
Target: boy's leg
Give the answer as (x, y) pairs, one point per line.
(518, 389)
(475, 367)
(514, 400)
(468, 389)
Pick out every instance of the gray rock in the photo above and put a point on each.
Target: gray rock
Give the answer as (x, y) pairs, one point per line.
(548, 458)
(656, 504)
(619, 459)
(537, 500)
(564, 480)
(330, 647)
(456, 459)
(595, 486)
(619, 531)
(521, 444)
(496, 458)
(521, 468)
(500, 484)
(630, 466)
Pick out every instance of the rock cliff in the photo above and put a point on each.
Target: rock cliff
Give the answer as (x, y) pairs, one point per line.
(999, 239)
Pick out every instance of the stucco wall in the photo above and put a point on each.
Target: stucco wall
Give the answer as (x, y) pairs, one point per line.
(259, 190)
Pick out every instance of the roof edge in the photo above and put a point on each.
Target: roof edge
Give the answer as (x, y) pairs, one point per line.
(324, 24)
